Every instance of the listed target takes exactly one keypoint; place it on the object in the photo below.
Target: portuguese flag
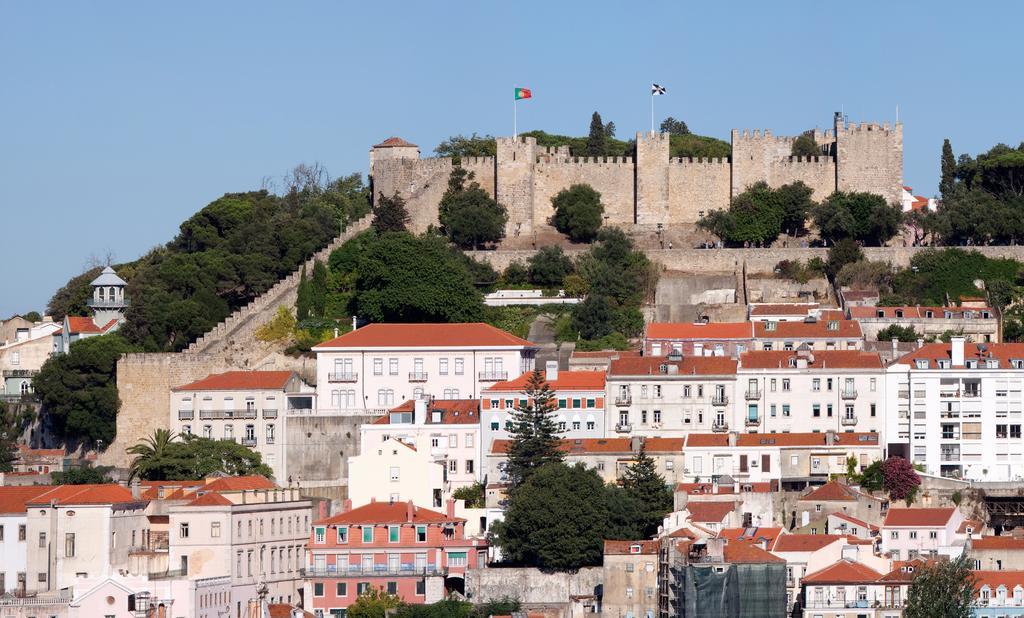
(523, 93)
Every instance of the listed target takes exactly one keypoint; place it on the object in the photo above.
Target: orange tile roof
(847, 329)
(710, 511)
(843, 572)
(994, 579)
(1004, 352)
(566, 381)
(726, 488)
(40, 452)
(997, 542)
(79, 326)
(620, 548)
(239, 483)
(747, 553)
(211, 498)
(707, 439)
(751, 535)
(387, 513)
(783, 308)
(682, 533)
(804, 542)
(919, 517)
(395, 142)
(911, 311)
(818, 359)
(469, 335)
(904, 571)
(975, 525)
(747, 440)
(700, 330)
(14, 499)
(240, 380)
(604, 353)
(689, 365)
(453, 411)
(830, 492)
(604, 445)
(854, 520)
(84, 494)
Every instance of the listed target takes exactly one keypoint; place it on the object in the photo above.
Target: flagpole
(652, 112)
(515, 114)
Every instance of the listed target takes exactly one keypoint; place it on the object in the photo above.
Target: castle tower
(652, 186)
(108, 301)
(393, 148)
(869, 158)
(516, 164)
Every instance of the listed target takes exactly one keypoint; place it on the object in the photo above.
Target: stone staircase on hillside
(235, 335)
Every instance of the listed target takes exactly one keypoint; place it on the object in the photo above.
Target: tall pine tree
(641, 480)
(390, 214)
(598, 139)
(318, 290)
(946, 183)
(303, 302)
(535, 440)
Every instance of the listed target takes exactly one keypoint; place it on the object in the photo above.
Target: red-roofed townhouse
(698, 338)
(400, 548)
(811, 390)
(832, 332)
(108, 303)
(809, 553)
(844, 589)
(977, 324)
(631, 570)
(998, 593)
(965, 401)
(670, 396)
(579, 410)
(41, 460)
(24, 347)
(251, 407)
(782, 312)
(996, 553)
(841, 523)
(14, 536)
(379, 366)
(859, 512)
(908, 533)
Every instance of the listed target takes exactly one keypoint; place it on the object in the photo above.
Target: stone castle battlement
(651, 187)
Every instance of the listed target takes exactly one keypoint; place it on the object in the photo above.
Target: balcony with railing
(186, 415)
(269, 412)
(623, 427)
(235, 413)
(849, 393)
(376, 570)
(720, 426)
(108, 304)
(753, 395)
(417, 376)
(752, 422)
(157, 542)
(248, 441)
(623, 399)
(849, 421)
(492, 376)
(343, 376)
(19, 373)
(720, 399)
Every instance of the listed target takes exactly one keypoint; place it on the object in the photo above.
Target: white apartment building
(959, 409)
(670, 396)
(380, 366)
(829, 332)
(250, 407)
(24, 347)
(909, 533)
(810, 390)
(447, 430)
(14, 536)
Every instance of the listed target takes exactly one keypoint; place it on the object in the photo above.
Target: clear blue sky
(118, 120)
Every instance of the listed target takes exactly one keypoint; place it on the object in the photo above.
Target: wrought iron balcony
(186, 415)
(19, 373)
(849, 420)
(624, 400)
(752, 422)
(720, 400)
(108, 304)
(269, 412)
(753, 395)
(248, 441)
(719, 426)
(623, 427)
(492, 376)
(381, 570)
(849, 393)
(417, 376)
(344, 376)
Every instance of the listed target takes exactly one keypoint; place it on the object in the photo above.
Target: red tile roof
(783, 309)
(620, 548)
(566, 381)
(604, 445)
(453, 411)
(843, 572)
(997, 542)
(698, 489)
(604, 353)
(239, 483)
(994, 579)
(904, 571)
(387, 513)
(682, 533)
(40, 452)
(747, 553)
(211, 498)
(80, 326)
(860, 313)
(832, 491)
(707, 439)
(804, 542)
(84, 494)
(817, 359)
(854, 520)
(710, 511)
(748, 440)
(14, 499)
(690, 365)
(751, 535)
(469, 335)
(975, 525)
(700, 331)
(283, 610)
(818, 329)
(395, 142)
(1004, 352)
(919, 517)
(239, 381)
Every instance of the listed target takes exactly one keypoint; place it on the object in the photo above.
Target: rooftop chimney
(636, 443)
(956, 350)
(346, 506)
(895, 347)
(920, 343)
(419, 407)
(136, 489)
(551, 371)
(409, 510)
(830, 437)
(451, 509)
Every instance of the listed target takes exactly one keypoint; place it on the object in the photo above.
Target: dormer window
(792, 362)
(1017, 363)
(880, 313)
(833, 325)
(929, 314)
(899, 313)
(921, 363)
(634, 549)
(971, 363)
(770, 325)
(944, 363)
(992, 363)
(968, 315)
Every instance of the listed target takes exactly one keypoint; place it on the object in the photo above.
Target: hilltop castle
(651, 188)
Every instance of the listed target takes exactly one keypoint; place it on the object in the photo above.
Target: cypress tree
(642, 481)
(302, 303)
(318, 290)
(535, 440)
(598, 139)
(948, 171)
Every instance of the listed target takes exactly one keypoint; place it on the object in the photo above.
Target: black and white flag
(656, 90)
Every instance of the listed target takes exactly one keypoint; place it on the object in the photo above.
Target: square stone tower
(652, 183)
(514, 184)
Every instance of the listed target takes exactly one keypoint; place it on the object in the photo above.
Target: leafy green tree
(794, 200)
(515, 273)
(405, 278)
(318, 290)
(73, 297)
(942, 589)
(280, 328)
(865, 274)
(598, 139)
(151, 456)
(83, 475)
(470, 217)
(617, 269)
(948, 180)
(865, 217)
(390, 214)
(673, 127)
(760, 214)
(8, 441)
(473, 146)
(163, 457)
(78, 389)
(549, 267)
(304, 297)
(934, 273)
(872, 479)
(556, 520)
(805, 146)
(641, 479)
(578, 212)
(592, 318)
(901, 333)
(698, 146)
(844, 252)
(534, 434)
(33, 316)
(472, 494)
(223, 456)
(1001, 293)
(373, 603)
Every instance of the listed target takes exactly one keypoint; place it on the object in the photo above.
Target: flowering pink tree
(899, 478)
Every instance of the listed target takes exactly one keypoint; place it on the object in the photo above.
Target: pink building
(397, 547)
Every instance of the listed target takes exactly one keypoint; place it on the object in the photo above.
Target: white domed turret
(108, 301)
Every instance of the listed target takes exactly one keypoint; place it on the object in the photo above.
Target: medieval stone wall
(612, 177)
(696, 187)
(870, 158)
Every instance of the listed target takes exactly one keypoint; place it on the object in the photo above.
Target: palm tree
(149, 451)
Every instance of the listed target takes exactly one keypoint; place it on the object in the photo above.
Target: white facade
(13, 552)
(911, 533)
